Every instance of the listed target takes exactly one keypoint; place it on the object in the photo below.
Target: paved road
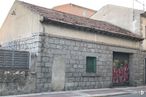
(134, 92)
(130, 95)
(108, 92)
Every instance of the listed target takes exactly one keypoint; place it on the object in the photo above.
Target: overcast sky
(5, 5)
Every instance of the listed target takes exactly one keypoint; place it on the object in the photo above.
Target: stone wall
(46, 48)
(13, 70)
(30, 44)
(12, 80)
(75, 51)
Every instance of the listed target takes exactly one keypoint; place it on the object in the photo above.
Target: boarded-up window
(91, 64)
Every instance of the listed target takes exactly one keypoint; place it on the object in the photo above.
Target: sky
(5, 5)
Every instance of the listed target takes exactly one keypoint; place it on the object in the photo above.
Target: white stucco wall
(120, 16)
(91, 36)
(19, 25)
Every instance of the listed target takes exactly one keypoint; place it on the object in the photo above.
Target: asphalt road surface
(105, 92)
(131, 95)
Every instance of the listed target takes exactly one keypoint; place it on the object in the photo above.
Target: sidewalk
(88, 93)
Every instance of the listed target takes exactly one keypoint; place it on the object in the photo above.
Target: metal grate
(14, 59)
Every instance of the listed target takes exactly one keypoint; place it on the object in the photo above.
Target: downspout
(42, 20)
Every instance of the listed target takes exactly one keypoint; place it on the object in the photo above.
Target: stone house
(75, 10)
(69, 52)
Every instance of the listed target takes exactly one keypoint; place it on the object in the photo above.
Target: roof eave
(45, 19)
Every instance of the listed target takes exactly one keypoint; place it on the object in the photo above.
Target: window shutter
(91, 64)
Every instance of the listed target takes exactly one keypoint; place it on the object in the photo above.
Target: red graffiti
(120, 75)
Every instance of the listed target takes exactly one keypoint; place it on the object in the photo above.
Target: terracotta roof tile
(81, 21)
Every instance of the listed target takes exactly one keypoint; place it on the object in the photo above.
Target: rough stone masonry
(46, 48)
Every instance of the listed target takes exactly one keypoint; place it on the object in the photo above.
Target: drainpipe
(42, 19)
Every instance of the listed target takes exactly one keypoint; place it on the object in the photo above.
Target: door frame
(122, 84)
